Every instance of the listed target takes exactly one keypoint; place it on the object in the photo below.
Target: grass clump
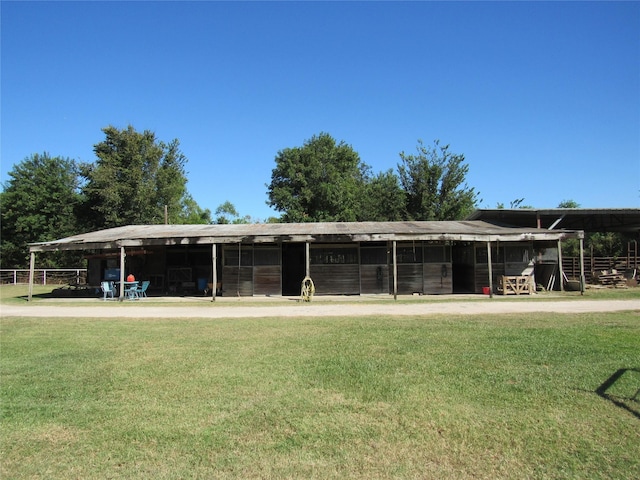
(375, 397)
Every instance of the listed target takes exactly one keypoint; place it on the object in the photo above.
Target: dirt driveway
(240, 308)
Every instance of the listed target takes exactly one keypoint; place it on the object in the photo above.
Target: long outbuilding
(350, 258)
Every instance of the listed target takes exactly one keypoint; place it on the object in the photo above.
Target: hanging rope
(307, 290)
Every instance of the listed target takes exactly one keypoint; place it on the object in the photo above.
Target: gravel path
(314, 309)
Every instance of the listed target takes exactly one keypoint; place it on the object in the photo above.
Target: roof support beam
(122, 256)
(555, 224)
(489, 264)
(582, 280)
(32, 267)
(560, 269)
(214, 271)
(395, 270)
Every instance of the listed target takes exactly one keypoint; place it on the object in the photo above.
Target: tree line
(137, 179)
(326, 181)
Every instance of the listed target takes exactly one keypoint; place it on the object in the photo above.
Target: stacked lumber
(612, 279)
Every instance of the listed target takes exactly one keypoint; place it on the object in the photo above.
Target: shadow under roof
(586, 219)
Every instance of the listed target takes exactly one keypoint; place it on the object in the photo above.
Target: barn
(342, 258)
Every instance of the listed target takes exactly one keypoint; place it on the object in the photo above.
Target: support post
(560, 269)
(214, 274)
(307, 259)
(395, 271)
(239, 268)
(122, 256)
(489, 264)
(32, 266)
(582, 280)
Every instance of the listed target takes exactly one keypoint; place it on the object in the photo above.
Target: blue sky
(543, 98)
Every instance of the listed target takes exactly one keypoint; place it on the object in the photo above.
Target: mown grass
(376, 397)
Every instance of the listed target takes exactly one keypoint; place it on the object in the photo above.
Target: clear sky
(542, 98)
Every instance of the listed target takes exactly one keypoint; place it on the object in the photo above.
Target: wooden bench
(516, 285)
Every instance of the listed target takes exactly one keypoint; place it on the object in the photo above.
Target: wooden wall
(336, 279)
(237, 281)
(438, 278)
(266, 280)
(410, 278)
(374, 279)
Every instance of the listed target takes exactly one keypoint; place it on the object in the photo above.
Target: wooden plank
(266, 280)
(340, 279)
(237, 281)
(516, 284)
(410, 278)
(374, 278)
(438, 278)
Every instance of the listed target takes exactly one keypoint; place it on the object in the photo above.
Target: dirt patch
(325, 308)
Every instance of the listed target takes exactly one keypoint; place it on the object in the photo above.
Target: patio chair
(133, 292)
(142, 291)
(107, 290)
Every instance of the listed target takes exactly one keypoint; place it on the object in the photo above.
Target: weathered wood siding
(410, 278)
(336, 279)
(267, 270)
(374, 279)
(237, 281)
(266, 280)
(438, 278)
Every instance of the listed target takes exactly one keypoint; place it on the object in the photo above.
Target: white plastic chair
(107, 290)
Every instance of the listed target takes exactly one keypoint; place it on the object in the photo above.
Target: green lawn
(379, 397)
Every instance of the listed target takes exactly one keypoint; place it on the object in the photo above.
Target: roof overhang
(588, 220)
(330, 232)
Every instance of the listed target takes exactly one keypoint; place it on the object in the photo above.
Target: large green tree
(383, 199)
(192, 213)
(322, 181)
(38, 204)
(227, 213)
(134, 177)
(434, 182)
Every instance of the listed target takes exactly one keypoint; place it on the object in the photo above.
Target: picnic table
(130, 289)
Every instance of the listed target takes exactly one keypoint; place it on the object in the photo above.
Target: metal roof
(587, 219)
(148, 235)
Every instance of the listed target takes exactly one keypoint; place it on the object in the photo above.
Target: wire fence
(44, 276)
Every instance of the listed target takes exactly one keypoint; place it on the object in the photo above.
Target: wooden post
(489, 264)
(122, 255)
(307, 259)
(582, 280)
(214, 272)
(32, 267)
(239, 267)
(560, 269)
(395, 271)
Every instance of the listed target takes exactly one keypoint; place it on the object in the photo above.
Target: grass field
(377, 397)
